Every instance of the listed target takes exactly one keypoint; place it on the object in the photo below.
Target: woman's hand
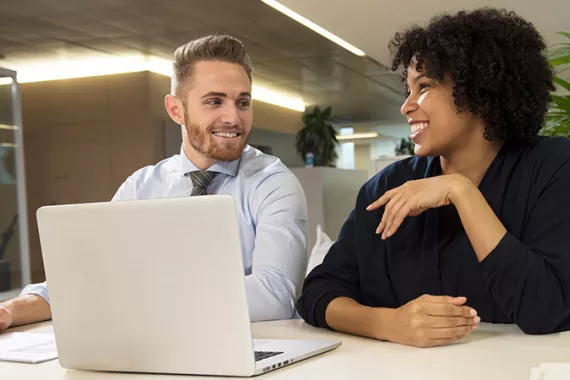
(430, 321)
(411, 199)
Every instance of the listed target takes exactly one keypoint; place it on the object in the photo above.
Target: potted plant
(558, 118)
(404, 148)
(317, 137)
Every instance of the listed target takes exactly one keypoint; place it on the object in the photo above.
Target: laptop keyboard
(260, 355)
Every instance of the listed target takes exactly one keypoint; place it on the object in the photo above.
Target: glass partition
(14, 253)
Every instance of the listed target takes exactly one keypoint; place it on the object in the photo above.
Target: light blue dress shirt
(272, 214)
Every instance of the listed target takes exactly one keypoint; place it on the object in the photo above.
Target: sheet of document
(551, 371)
(27, 347)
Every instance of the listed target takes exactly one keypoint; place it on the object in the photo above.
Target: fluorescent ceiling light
(277, 98)
(8, 145)
(97, 66)
(311, 25)
(9, 127)
(356, 136)
(79, 68)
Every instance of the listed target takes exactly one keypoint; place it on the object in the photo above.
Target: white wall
(362, 156)
(331, 196)
(340, 190)
(386, 148)
(345, 159)
(382, 148)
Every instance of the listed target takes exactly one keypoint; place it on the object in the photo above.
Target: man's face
(217, 110)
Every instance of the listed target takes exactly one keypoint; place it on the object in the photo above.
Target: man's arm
(280, 255)
(31, 306)
(27, 308)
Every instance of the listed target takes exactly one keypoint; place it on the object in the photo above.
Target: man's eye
(214, 102)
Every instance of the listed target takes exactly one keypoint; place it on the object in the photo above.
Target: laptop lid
(148, 286)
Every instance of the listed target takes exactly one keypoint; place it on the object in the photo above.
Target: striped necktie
(201, 179)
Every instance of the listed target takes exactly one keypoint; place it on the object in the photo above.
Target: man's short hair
(221, 48)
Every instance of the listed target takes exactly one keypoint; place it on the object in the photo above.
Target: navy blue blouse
(524, 280)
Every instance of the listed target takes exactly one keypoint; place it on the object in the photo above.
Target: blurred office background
(87, 108)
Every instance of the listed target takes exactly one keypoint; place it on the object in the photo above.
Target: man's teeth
(225, 134)
(418, 127)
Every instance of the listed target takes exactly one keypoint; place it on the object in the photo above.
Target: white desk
(492, 352)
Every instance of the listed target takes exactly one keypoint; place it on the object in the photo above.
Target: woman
(476, 226)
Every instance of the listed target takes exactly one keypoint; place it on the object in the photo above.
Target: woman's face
(437, 129)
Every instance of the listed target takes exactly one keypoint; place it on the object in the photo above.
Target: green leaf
(561, 99)
(562, 83)
(560, 55)
(562, 60)
(565, 34)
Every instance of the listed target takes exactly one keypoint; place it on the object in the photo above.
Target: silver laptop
(155, 286)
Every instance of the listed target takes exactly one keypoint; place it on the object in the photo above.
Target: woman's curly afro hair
(497, 62)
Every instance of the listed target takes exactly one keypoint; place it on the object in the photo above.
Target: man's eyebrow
(224, 95)
(214, 93)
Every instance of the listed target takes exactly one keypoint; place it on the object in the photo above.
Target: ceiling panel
(374, 23)
(286, 55)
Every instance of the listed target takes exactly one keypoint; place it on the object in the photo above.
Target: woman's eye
(423, 87)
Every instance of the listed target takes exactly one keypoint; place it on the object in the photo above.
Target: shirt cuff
(501, 256)
(37, 289)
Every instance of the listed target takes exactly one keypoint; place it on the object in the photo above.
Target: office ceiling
(287, 56)
(373, 23)
(370, 24)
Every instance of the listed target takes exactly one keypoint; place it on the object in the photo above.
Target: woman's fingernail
(472, 312)
(475, 327)
(476, 320)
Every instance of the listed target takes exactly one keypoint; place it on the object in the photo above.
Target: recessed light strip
(91, 67)
(356, 136)
(311, 25)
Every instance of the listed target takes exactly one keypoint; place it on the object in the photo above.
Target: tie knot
(201, 179)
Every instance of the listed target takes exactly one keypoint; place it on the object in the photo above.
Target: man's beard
(209, 146)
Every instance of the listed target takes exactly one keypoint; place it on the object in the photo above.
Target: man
(211, 100)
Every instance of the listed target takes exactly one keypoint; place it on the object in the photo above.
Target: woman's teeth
(418, 127)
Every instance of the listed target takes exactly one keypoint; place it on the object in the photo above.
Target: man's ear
(175, 109)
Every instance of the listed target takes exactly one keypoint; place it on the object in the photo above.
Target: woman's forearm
(482, 226)
(346, 315)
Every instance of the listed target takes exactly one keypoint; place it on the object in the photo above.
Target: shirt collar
(229, 168)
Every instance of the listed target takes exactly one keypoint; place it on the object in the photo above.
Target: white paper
(27, 347)
(551, 371)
